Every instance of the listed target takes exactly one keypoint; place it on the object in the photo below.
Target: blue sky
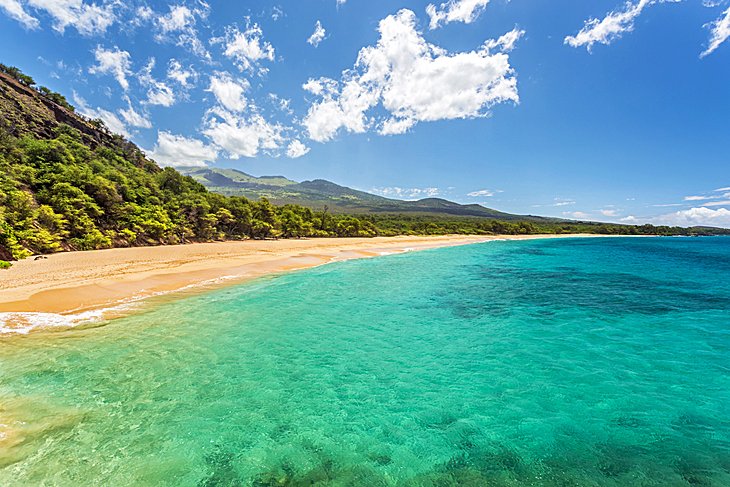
(597, 110)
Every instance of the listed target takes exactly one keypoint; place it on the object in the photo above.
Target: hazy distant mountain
(340, 199)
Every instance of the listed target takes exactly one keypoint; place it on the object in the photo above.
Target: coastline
(69, 288)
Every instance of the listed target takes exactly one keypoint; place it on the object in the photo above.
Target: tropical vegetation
(62, 192)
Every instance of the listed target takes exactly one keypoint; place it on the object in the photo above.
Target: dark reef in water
(615, 464)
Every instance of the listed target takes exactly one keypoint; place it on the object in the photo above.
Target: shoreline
(67, 289)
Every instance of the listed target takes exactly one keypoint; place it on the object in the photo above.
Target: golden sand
(75, 282)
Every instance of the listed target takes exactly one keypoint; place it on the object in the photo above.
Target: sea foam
(22, 323)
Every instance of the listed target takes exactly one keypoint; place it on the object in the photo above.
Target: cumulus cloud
(183, 76)
(133, 118)
(242, 135)
(701, 216)
(296, 149)
(180, 151)
(609, 212)
(235, 124)
(110, 119)
(114, 62)
(719, 32)
(318, 34)
(406, 193)
(247, 49)
(465, 11)
(611, 27)
(86, 18)
(143, 14)
(179, 26)
(229, 92)
(413, 80)
(14, 9)
(158, 92)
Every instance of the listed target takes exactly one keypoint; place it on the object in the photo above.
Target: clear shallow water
(574, 362)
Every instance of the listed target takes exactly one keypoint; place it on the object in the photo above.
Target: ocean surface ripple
(575, 362)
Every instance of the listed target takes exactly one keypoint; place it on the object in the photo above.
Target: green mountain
(339, 199)
(68, 183)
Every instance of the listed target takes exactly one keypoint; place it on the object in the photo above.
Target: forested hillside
(340, 199)
(67, 183)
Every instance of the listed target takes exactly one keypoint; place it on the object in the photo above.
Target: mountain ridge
(68, 183)
(338, 198)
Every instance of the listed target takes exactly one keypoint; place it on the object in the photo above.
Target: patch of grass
(5, 265)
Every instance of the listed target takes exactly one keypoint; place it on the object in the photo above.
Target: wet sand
(79, 282)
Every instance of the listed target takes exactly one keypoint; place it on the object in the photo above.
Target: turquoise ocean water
(578, 362)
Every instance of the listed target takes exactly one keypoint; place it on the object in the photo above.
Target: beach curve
(67, 289)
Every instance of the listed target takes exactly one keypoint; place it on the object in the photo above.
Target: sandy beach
(77, 283)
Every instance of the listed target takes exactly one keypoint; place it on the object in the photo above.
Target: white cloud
(719, 32)
(394, 126)
(283, 104)
(296, 149)
(719, 194)
(579, 215)
(465, 11)
(144, 13)
(179, 19)
(87, 18)
(506, 42)
(134, 118)
(228, 92)
(235, 124)
(276, 13)
(609, 212)
(114, 62)
(413, 80)
(16, 12)
(718, 203)
(176, 150)
(318, 34)
(246, 48)
(696, 216)
(158, 92)
(242, 135)
(612, 26)
(563, 202)
(406, 193)
(179, 26)
(183, 76)
(110, 119)
(481, 192)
